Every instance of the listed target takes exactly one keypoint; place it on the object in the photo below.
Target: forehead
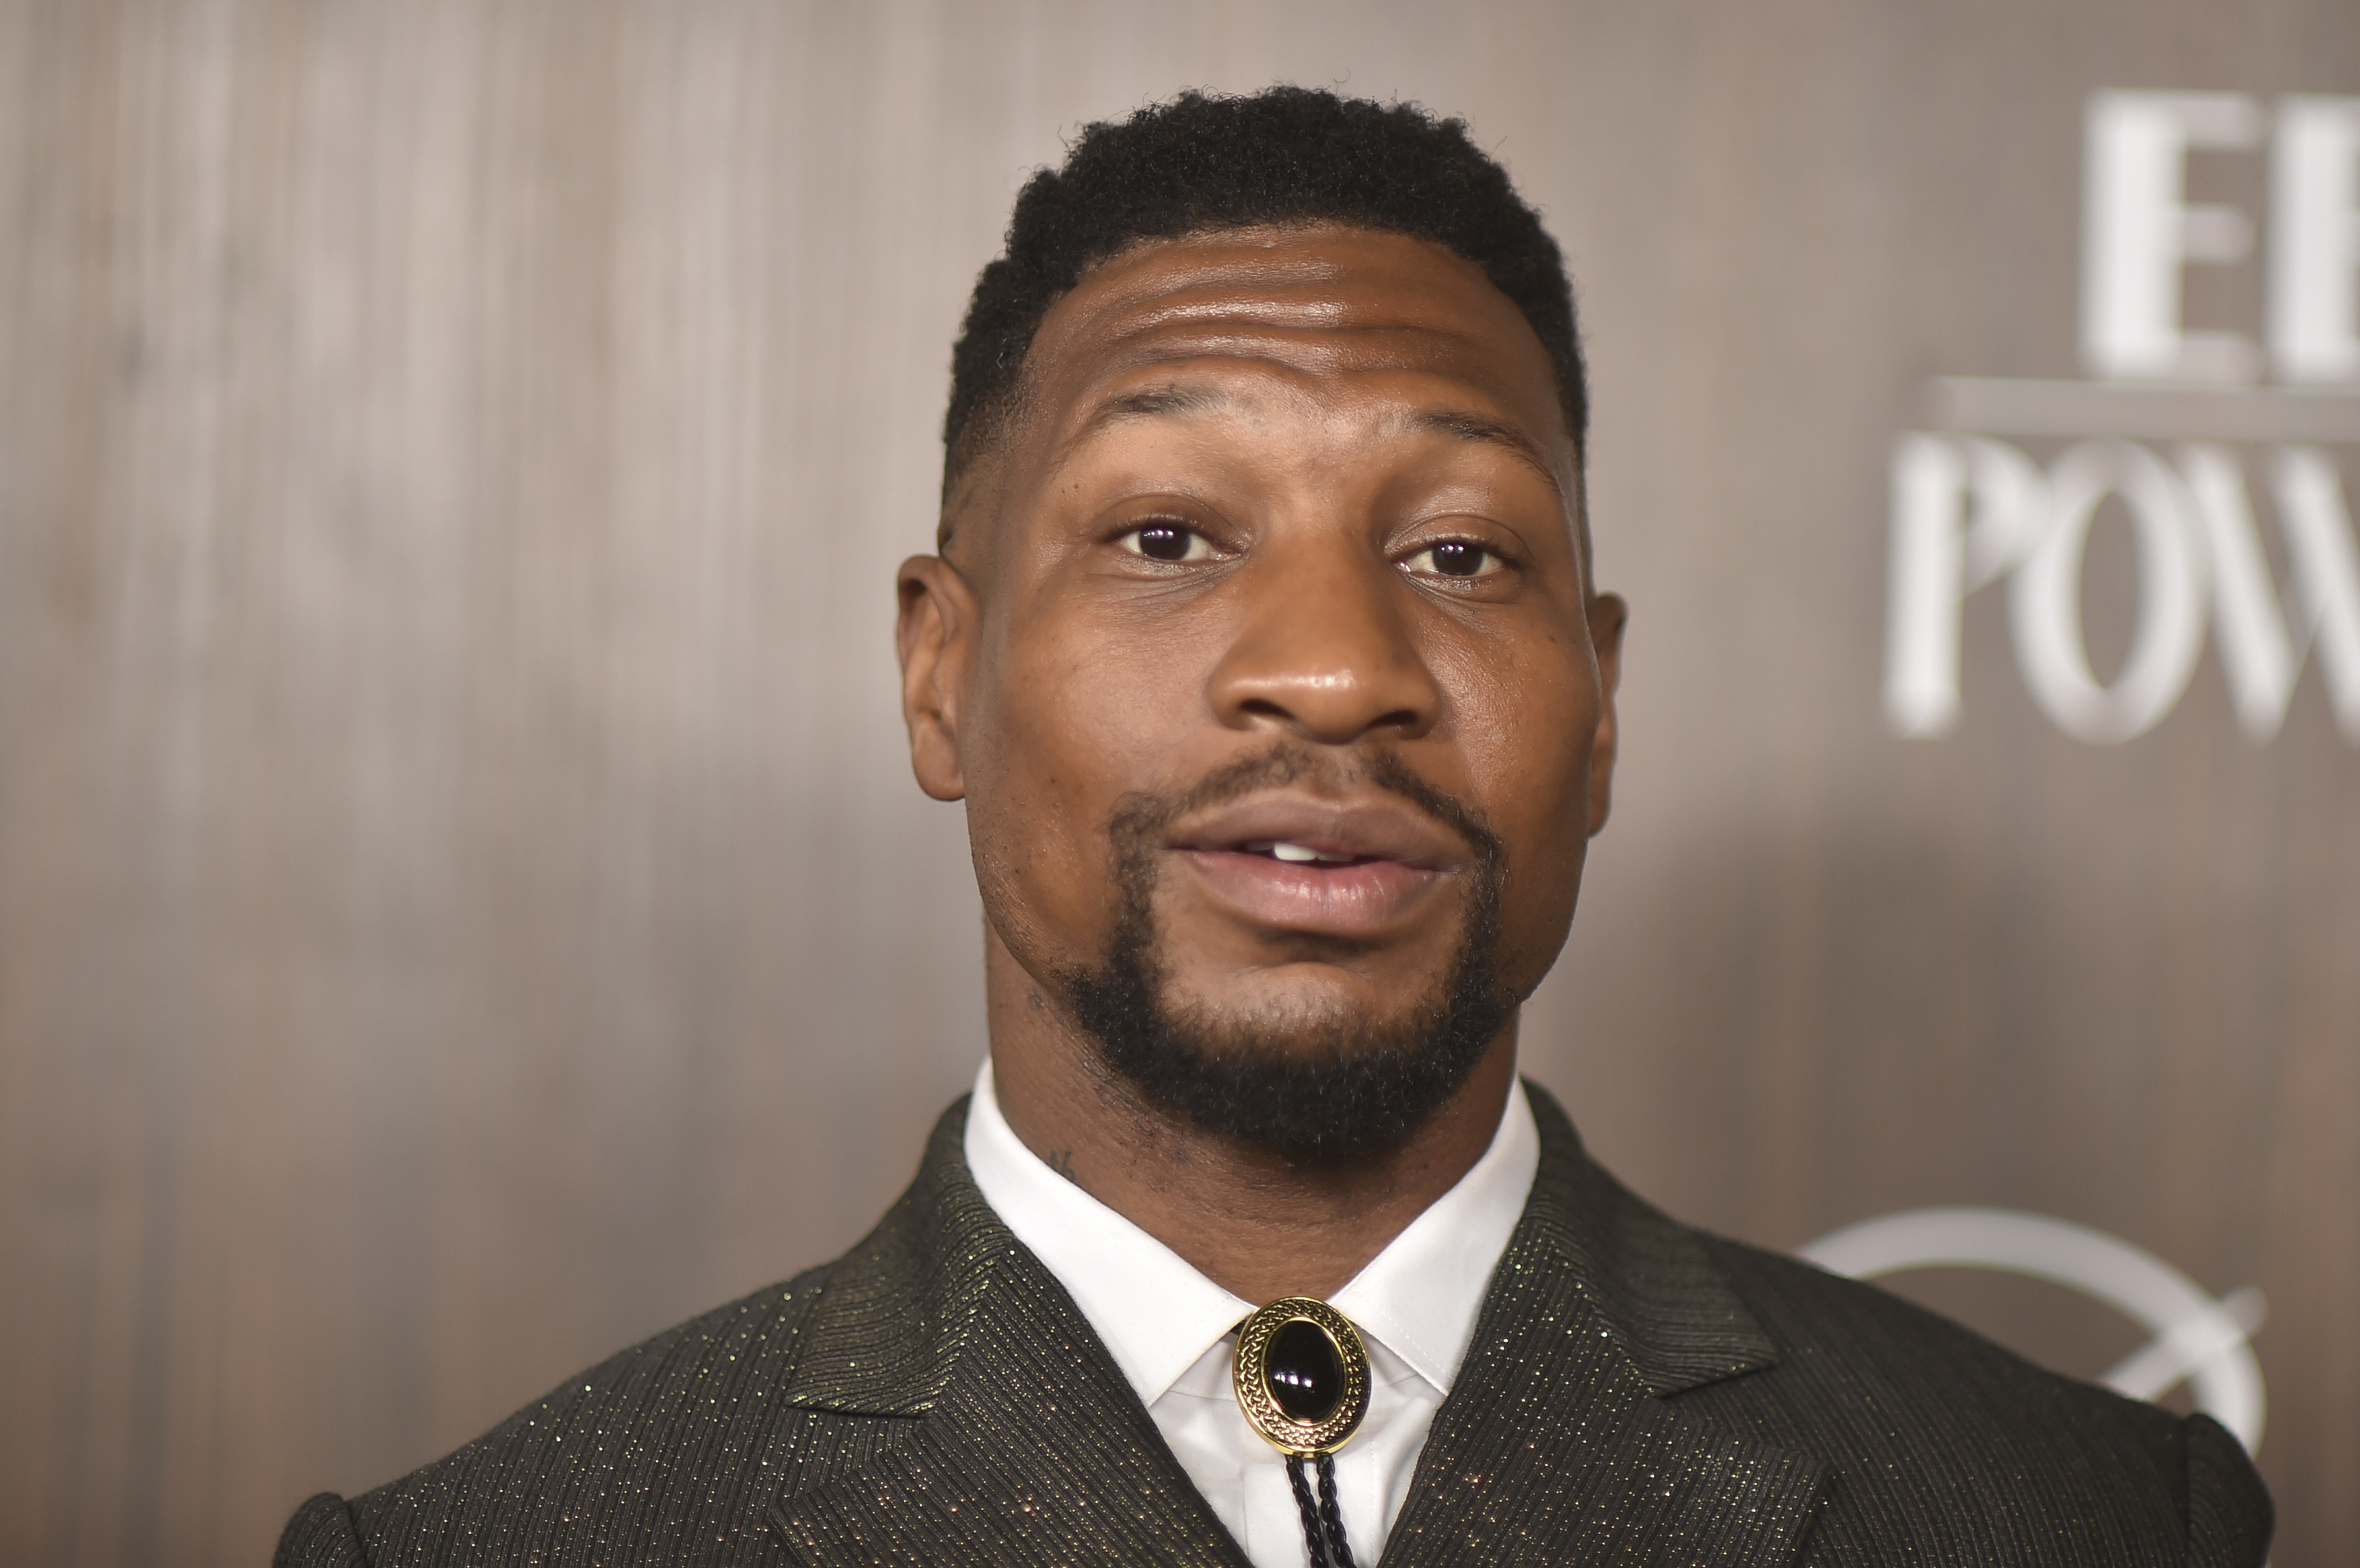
(1327, 312)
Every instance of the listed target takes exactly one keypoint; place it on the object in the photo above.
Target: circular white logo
(2196, 1337)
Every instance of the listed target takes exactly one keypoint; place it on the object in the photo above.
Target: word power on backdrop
(2177, 424)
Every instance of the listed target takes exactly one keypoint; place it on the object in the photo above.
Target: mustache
(1140, 819)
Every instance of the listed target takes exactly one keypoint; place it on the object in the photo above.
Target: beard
(1315, 1084)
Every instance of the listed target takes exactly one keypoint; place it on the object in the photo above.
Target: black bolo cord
(1340, 1554)
(1313, 1538)
(1323, 1524)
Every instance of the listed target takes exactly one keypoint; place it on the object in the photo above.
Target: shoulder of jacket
(1861, 1334)
(599, 1449)
(321, 1535)
(2230, 1516)
(1944, 1441)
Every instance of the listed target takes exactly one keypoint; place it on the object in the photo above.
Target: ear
(935, 636)
(1608, 614)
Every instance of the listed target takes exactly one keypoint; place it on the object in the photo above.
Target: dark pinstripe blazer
(1638, 1392)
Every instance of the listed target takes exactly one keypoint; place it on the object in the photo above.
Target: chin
(1315, 1072)
(1306, 1015)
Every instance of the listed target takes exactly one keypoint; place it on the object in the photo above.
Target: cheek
(1528, 742)
(1069, 726)
(1547, 846)
(1526, 711)
(1546, 829)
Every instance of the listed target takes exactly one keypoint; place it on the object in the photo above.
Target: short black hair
(1285, 156)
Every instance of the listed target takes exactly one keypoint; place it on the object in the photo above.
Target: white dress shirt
(1172, 1331)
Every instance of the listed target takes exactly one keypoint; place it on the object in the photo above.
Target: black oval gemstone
(1304, 1373)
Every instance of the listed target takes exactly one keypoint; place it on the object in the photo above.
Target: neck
(1259, 1223)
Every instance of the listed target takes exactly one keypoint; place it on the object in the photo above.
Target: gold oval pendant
(1301, 1375)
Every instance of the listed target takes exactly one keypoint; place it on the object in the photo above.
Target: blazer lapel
(1027, 1446)
(1561, 1440)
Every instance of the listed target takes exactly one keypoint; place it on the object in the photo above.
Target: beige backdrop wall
(462, 905)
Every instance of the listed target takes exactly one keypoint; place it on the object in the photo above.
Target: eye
(1168, 541)
(1462, 559)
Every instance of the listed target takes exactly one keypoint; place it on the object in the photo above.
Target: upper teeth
(1300, 852)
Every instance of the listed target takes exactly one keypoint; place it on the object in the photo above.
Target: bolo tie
(1302, 1379)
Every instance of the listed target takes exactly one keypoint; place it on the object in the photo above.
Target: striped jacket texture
(1637, 1392)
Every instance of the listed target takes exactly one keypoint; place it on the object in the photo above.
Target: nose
(1326, 648)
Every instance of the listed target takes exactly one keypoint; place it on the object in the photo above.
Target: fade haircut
(1203, 163)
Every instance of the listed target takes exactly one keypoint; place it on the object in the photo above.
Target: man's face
(1266, 661)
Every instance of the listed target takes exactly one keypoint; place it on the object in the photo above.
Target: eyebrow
(1472, 427)
(1152, 402)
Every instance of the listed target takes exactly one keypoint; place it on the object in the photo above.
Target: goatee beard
(1318, 1088)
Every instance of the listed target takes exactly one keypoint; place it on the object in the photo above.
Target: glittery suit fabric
(1637, 1392)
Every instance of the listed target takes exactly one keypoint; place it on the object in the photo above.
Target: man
(1261, 648)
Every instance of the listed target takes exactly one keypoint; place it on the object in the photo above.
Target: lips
(1348, 869)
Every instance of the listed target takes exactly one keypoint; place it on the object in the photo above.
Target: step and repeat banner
(462, 903)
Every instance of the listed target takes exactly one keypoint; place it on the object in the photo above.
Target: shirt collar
(1158, 1315)
(1421, 1294)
